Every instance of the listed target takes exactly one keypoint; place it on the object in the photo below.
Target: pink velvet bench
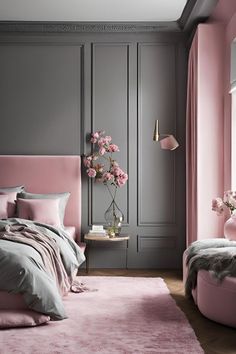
(216, 301)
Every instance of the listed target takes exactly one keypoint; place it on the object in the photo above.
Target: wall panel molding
(171, 220)
(29, 70)
(154, 243)
(92, 218)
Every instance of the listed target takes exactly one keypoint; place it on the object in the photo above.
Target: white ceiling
(91, 10)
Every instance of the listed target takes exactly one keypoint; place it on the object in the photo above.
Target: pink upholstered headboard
(46, 174)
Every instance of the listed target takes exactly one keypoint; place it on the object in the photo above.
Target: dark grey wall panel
(59, 88)
(40, 94)
(110, 102)
(157, 100)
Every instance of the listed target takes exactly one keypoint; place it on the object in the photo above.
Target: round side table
(89, 239)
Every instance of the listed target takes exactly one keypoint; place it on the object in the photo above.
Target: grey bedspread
(215, 255)
(23, 269)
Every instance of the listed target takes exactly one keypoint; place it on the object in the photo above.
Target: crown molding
(83, 27)
(195, 11)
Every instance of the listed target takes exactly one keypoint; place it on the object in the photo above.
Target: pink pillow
(11, 203)
(3, 206)
(25, 318)
(45, 211)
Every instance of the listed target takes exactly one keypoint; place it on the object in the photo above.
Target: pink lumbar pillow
(24, 318)
(3, 206)
(45, 211)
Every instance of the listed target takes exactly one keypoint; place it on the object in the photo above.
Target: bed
(43, 175)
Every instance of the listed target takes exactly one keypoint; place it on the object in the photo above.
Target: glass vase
(114, 218)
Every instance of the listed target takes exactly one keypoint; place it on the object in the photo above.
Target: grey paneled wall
(157, 88)
(58, 88)
(110, 102)
(40, 90)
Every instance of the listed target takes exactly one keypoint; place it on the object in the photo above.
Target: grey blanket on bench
(217, 255)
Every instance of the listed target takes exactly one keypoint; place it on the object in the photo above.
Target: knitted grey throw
(217, 255)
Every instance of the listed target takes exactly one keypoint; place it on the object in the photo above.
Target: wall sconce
(167, 141)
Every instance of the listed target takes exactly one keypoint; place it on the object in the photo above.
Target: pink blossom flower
(122, 179)
(113, 148)
(91, 172)
(94, 137)
(104, 142)
(107, 176)
(110, 172)
(107, 139)
(117, 171)
(230, 198)
(102, 151)
(232, 201)
(87, 161)
(218, 205)
(101, 142)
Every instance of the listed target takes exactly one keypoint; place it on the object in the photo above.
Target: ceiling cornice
(195, 11)
(83, 27)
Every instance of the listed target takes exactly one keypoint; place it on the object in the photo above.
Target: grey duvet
(39, 262)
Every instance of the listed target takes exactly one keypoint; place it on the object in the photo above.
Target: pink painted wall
(214, 114)
(209, 127)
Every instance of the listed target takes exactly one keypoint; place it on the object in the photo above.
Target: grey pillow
(63, 199)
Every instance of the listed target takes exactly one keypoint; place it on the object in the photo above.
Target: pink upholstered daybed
(43, 174)
(215, 300)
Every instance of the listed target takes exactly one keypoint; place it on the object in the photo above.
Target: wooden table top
(105, 238)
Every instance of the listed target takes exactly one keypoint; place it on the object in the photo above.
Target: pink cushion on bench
(216, 300)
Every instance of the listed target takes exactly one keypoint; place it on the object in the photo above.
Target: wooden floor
(214, 338)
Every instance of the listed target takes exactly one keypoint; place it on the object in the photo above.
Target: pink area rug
(126, 315)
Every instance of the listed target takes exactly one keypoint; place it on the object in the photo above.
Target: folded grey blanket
(217, 255)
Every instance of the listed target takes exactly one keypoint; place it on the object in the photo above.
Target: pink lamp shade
(168, 142)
